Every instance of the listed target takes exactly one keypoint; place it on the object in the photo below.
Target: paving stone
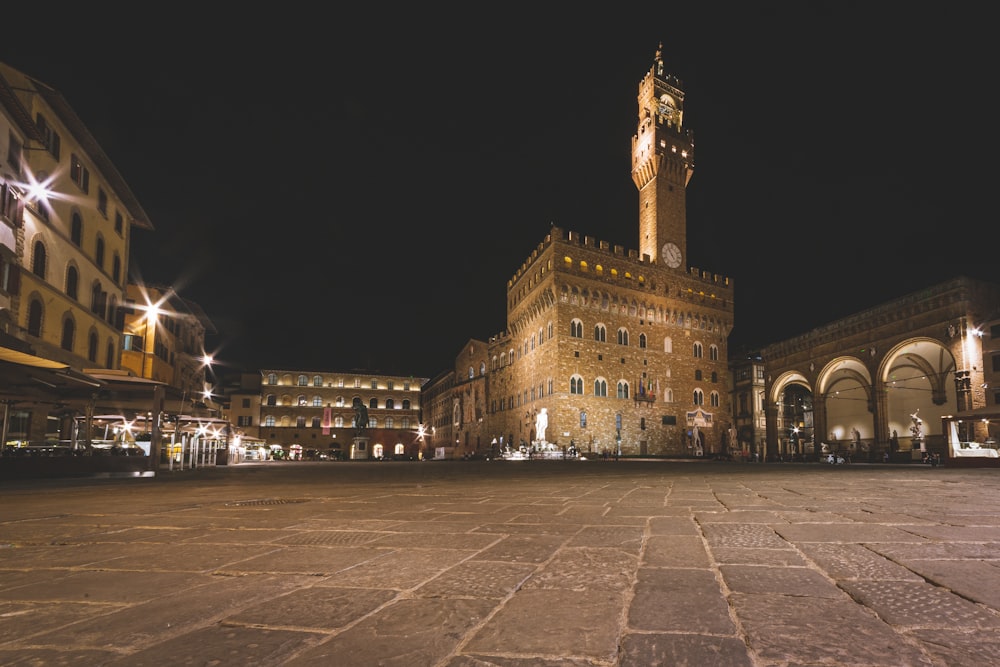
(755, 556)
(401, 569)
(577, 624)
(319, 609)
(679, 525)
(921, 605)
(818, 631)
(644, 650)
(675, 551)
(523, 549)
(222, 646)
(742, 535)
(854, 561)
(976, 580)
(766, 579)
(581, 568)
(845, 532)
(957, 648)
(679, 600)
(478, 579)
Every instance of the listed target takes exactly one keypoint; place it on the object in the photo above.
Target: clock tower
(662, 165)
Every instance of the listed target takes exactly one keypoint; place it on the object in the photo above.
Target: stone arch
(845, 403)
(916, 374)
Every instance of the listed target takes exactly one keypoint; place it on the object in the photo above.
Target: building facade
(69, 216)
(357, 415)
(622, 350)
(747, 373)
(886, 381)
(164, 340)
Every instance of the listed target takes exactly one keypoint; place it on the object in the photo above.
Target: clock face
(672, 255)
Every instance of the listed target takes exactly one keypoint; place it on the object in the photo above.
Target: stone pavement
(515, 564)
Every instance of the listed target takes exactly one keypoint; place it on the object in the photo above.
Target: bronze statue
(360, 418)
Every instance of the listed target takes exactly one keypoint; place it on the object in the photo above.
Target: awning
(25, 359)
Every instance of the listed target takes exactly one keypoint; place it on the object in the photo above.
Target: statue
(916, 428)
(541, 423)
(360, 418)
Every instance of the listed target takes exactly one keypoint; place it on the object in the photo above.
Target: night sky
(353, 190)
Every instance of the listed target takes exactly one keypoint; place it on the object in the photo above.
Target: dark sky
(352, 189)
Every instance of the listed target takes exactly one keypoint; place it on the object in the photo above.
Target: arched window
(668, 344)
(317, 380)
(482, 368)
(92, 347)
(35, 318)
(300, 422)
(472, 372)
(302, 381)
(576, 385)
(389, 404)
(699, 397)
(622, 389)
(68, 333)
(271, 400)
(373, 403)
(713, 352)
(388, 422)
(699, 352)
(116, 268)
(39, 260)
(642, 340)
(97, 299)
(600, 387)
(300, 400)
(317, 401)
(269, 420)
(109, 355)
(406, 404)
(713, 399)
(576, 329)
(600, 333)
(72, 283)
(623, 336)
(76, 230)
(316, 422)
(99, 252)
(272, 378)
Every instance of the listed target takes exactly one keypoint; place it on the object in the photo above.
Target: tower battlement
(625, 263)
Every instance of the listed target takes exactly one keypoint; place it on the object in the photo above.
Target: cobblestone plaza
(541, 563)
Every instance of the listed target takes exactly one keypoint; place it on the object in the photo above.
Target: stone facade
(613, 347)
(316, 410)
(626, 350)
(862, 381)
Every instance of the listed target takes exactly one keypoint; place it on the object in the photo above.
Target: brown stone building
(889, 379)
(625, 350)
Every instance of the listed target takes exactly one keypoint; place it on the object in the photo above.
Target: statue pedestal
(359, 448)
